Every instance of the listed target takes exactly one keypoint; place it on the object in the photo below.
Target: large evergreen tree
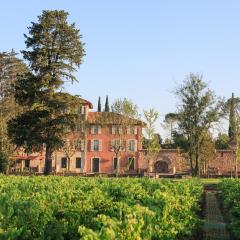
(54, 52)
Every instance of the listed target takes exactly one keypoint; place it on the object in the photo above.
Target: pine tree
(232, 119)
(99, 104)
(107, 108)
(54, 52)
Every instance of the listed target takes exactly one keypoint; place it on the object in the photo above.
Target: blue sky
(142, 49)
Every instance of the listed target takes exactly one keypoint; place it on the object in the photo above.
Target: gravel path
(214, 227)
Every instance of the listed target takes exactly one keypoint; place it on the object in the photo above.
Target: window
(116, 130)
(115, 163)
(95, 165)
(27, 163)
(117, 143)
(95, 145)
(78, 162)
(131, 163)
(79, 144)
(95, 129)
(132, 145)
(82, 110)
(64, 162)
(65, 111)
(135, 130)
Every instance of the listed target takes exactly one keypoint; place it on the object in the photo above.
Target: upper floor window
(135, 131)
(65, 110)
(116, 145)
(132, 130)
(79, 144)
(83, 110)
(96, 129)
(116, 130)
(132, 145)
(96, 145)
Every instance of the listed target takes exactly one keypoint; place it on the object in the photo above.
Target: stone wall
(223, 162)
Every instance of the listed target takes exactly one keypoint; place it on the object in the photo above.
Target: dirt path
(215, 226)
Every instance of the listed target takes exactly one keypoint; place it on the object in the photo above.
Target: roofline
(137, 122)
(87, 102)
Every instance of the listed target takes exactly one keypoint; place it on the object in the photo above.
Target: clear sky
(142, 49)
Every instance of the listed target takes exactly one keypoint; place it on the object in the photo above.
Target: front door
(131, 163)
(95, 165)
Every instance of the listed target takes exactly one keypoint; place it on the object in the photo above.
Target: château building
(102, 143)
(109, 143)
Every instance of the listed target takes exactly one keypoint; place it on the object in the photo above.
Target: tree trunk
(191, 163)
(236, 164)
(48, 160)
(118, 165)
(68, 163)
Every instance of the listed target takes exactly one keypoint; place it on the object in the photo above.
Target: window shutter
(78, 109)
(92, 129)
(82, 145)
(135, 130)
(82, 110)
(120, 130)
(91, 145)
(135, 145)
(82, 128)
(110, 146)
(128, 130)
(99, 129)
(121, 145)
(127, 146)
(124, 145)
(100, 145)
(113, 129)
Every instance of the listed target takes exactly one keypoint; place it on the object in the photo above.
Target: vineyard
(97, 208)
(231, 196)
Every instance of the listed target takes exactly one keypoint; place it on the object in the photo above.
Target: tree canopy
(54, 52)
(198, 110)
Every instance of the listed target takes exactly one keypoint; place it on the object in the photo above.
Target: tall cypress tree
(99, 104)
(107, 108)
(232, 119)
(54, 52)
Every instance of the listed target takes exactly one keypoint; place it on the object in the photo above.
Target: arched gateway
(162, 166)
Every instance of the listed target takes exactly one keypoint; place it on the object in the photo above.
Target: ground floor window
(64, 162)
(27, 163)
(131, 163)
(78, 162)
(95, 165)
